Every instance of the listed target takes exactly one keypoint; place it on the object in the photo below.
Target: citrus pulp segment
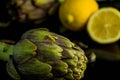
(104, 25)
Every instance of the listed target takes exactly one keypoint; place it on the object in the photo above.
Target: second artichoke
(31, 10)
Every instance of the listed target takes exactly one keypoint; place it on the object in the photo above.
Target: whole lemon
(74, 14)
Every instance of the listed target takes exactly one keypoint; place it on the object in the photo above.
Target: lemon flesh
(104, 25)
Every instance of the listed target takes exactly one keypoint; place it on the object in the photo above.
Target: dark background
(98, 70)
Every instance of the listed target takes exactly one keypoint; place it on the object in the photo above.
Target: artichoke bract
(44, 55)
(31, 10)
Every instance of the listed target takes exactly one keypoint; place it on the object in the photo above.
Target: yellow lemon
(104, 25)
(74, 14)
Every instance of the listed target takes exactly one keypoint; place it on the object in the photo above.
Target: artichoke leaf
(69, 75)
(63, 41)
(72, 62)
(39, 36)
(35, 67)
(11, 70)
(49, 51)
(68, 53)
(23, 51)
(60, 67)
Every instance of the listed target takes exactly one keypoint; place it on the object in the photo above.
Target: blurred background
(104, 66)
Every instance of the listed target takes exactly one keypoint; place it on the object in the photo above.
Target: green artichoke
(31, 10)
(44, 55)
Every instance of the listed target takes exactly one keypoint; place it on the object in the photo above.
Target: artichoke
(31, 10)
(44, 55)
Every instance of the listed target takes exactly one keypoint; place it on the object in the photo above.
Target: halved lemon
(104, 25)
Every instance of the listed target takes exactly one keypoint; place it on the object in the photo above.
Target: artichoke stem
(6, 50)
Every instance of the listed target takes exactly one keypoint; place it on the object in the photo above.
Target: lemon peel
(74, 14)
(70, 19)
